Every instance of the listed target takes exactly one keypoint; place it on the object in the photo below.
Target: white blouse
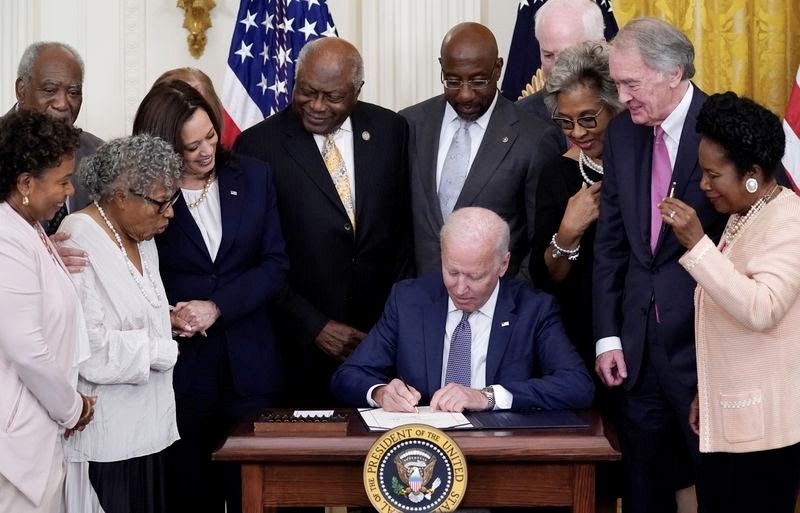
(132, 351)
(207, 215)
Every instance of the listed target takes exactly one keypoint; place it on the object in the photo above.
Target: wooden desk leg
(253, 488)
(583, 500)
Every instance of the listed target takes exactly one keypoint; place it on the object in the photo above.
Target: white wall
(126, 44)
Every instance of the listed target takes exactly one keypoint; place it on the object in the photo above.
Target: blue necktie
(459, 361)
(455, 168)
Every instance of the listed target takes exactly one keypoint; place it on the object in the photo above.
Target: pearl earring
(25, 201)
(751, 185)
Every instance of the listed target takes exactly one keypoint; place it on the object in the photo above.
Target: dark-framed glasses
(584, 121)
(162, 205)
(476, 83)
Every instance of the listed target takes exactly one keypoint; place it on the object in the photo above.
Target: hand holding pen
(681, 218)
(397, 396)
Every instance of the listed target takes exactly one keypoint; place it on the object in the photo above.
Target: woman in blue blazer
(222, 260)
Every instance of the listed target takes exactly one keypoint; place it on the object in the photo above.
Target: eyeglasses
(162, 205)
(584, 121)
(477, 83)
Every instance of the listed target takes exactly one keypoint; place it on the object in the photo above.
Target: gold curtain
(751, 47)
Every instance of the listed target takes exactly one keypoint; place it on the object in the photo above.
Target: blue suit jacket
(529, 354)
(627, 274)
(248, 271)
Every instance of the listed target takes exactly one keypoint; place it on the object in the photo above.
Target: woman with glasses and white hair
(133, 182)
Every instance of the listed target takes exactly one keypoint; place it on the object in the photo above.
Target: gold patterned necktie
(338, 171)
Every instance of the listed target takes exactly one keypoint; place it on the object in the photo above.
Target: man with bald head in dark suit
(342, 186)
(472, 147)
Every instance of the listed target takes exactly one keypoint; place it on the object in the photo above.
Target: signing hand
(199, 315)
(455, 397)
(610, 366)
(74, 259)
(396, 396)
(683, 220)
(338, 340)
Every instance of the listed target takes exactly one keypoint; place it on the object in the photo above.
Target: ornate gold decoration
(196, 20)
(536, 83)
(751, 47)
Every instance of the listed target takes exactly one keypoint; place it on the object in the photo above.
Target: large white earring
(751, 185)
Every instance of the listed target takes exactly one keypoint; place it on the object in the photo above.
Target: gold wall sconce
(196, 20)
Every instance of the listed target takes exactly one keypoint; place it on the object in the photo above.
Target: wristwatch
(488, 392)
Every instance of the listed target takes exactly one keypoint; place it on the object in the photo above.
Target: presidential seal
(415, 468)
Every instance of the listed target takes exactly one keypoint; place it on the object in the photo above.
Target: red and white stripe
(241, 112)
(791, 125)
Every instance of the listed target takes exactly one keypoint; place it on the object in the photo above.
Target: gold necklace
(203, 194)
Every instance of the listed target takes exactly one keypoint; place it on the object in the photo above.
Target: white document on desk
(377, 419)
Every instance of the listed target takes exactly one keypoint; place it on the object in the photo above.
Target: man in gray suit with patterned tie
(472, 147)
(50, 81)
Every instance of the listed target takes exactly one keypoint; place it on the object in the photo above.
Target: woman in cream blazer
(747, 317)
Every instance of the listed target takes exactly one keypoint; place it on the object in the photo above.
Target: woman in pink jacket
(747, 312)
(41, 324)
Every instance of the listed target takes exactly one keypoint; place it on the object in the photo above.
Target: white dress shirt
(207, 215)
(450, 123)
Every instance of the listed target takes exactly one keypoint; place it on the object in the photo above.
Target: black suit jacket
(503, 176)
(248, 271)
(629, 278)
(336, 273)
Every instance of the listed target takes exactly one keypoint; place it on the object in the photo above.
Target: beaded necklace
(131, 269)
(203, 194)
(583, 160)
(734, 228)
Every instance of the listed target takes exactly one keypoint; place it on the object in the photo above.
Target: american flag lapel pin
(505, 323)
(234, 193)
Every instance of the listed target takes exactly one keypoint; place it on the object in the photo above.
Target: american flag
(791, 126)
(267, 39)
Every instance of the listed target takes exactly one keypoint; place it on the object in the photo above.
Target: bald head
(466, 40)
(470, 69)
(328, 80)
(561, 24)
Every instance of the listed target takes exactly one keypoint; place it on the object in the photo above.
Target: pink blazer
(39, 329)
(747, 320)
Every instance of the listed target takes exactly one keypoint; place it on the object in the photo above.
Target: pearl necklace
(734, 228)
(583, 160)
(131, 269)
(203, 194)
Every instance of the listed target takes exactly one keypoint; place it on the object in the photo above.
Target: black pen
(407, 388)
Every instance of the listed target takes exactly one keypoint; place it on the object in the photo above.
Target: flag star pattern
(267, 39)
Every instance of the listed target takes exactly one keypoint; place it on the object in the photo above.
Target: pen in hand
(671, 193)
(416, 410)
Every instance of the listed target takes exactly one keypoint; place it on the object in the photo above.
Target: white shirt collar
(488, 307)
(673, 125)
(450, 114)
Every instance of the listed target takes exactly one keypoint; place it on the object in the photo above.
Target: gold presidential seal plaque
(415, 468)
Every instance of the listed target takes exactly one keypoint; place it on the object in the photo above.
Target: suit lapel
(427, 143)
(365, 147)
(301, 146)
(184, 221)
(503, 325)
(643, 143)
(231, 201)
(434, 319)
(498, 139)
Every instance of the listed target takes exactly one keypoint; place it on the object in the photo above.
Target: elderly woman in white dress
(133, 182)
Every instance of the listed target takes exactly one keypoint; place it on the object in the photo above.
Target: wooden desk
(523, 467)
